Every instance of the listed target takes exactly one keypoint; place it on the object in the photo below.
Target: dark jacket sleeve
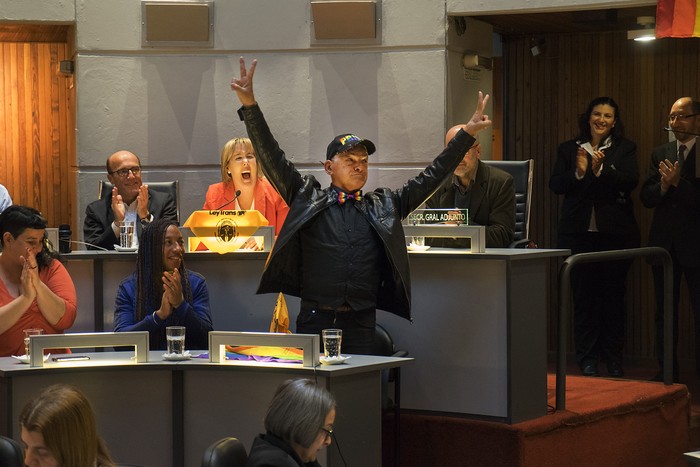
(97, 228)
(280, 172)
(500, 227)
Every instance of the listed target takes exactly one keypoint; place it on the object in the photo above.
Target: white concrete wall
(474, 7)
(60, 11)
(175, 110)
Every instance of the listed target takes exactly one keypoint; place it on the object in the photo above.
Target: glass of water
(27, 334)
(175, 338)
(332, 340)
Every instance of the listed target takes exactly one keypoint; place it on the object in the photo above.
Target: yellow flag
(280, 317)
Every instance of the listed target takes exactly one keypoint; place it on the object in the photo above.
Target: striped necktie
(681, 154)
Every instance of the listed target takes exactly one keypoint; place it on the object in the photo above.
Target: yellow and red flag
(280, 317)
(678, 18)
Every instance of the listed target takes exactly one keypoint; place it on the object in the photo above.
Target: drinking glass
(126, 233)
(332, 339)
(175, 338)
(27, 334)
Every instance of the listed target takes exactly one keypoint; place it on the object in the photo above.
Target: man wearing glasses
(487, 192)
(673, 190)
(130, 200)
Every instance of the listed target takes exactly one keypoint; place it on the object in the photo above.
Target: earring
(228, 172)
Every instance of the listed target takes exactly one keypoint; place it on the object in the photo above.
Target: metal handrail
(565, 304)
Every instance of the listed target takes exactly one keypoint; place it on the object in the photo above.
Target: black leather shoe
(589, 369)
(615, 370)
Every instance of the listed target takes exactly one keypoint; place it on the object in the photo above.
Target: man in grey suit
(673, 190)
(487, 192)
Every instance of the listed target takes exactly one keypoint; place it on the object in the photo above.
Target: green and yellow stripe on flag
(678, 18)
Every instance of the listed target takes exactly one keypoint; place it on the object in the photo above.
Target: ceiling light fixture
(647, 33)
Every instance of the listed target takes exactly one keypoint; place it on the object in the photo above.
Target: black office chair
(384, 346)
(521, 171)
(172, 188)
(227, 452)
(11, 454)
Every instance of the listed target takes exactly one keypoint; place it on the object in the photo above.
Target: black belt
(311, 305)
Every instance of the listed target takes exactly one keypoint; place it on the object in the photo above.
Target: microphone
(97, 247)
(681, 132)
(235, 197)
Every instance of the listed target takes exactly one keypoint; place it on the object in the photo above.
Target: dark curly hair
(617, 132)
(16, 219)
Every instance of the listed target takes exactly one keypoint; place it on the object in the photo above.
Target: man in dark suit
(673, 189)
(487, 192)
(130, 200)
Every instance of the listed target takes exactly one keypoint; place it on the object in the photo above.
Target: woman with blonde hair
(58, 430)
(240, 172)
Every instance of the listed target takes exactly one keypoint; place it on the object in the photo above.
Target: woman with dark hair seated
(58, 429)
(298, 423)
(36, 291)
(162, 292)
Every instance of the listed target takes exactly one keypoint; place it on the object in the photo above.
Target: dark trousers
(358, 327)
(692, 279)
(598, 291)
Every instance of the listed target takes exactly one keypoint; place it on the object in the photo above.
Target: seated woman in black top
(298, 423)
(162, 292)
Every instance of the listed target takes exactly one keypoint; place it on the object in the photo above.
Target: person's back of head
(64, 418)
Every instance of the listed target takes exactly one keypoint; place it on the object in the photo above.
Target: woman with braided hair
(162, 292)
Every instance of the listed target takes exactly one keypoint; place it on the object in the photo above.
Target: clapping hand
(172, 287)
(29, 275)
(597, 161)
(670, 174)
(581, 162)
(118, 206)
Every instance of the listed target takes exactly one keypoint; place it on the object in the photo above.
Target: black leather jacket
(383, 208)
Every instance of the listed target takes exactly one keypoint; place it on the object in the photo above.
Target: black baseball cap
(345, 142)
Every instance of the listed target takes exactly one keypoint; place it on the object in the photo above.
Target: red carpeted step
(607, 422)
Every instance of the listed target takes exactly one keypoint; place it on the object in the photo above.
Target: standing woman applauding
(596, 173)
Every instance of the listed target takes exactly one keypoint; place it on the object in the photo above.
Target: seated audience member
(240, 171)
(162, 292)
(487, 192)
(298, 423)
(5, 199)
(58, 429)
(130, 200)
(36, 291)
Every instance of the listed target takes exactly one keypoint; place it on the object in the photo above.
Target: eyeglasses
(327, 433)
(123, 173)
(672, 117)
(246, 158)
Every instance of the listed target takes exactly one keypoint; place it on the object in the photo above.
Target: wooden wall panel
(37, 145)
(546, 93)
